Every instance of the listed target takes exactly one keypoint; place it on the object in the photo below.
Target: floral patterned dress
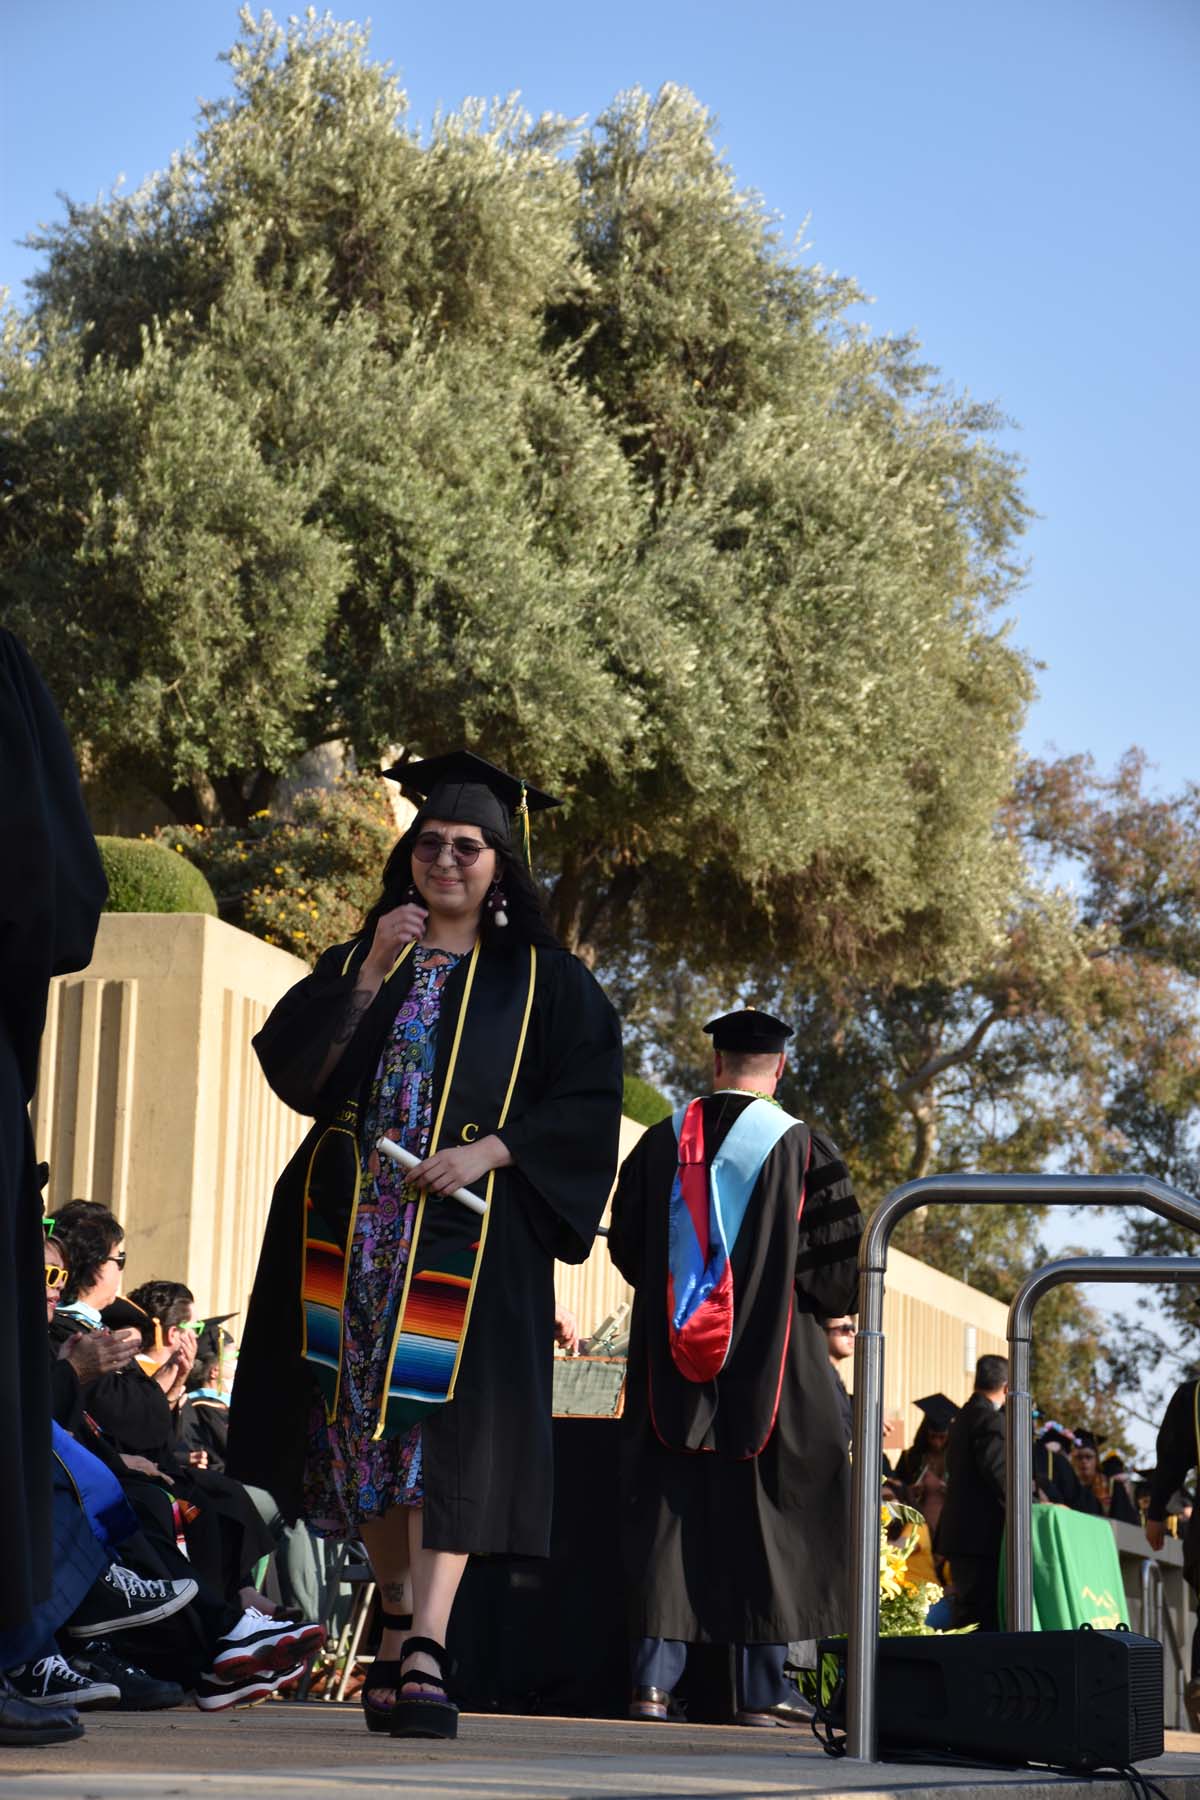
(349, 1475)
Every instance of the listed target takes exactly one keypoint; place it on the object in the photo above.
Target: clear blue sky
(1015, 182)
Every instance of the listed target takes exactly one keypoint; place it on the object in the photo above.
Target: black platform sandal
(424, 1715)
(384, 1676)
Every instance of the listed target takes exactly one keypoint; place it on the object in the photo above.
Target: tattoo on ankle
(393, 1594)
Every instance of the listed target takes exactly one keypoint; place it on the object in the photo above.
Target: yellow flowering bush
(301, 880)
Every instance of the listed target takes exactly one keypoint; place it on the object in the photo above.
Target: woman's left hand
(461, 1166)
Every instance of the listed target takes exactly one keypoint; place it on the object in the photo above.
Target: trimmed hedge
(643, 1102)
(143, 877)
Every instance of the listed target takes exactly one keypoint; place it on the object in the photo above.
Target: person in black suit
(972, 1521)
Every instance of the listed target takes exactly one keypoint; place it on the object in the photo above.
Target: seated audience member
(202, 1422)
(1097, 1494)
(839, 1341)
(121, 1600)
(921, 1469)
(202, 1428)
(239, 1649)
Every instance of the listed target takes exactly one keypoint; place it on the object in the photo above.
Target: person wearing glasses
(737, 1227)
(394, 1376)
(839, 1342)
(172, 1357)
(247, 1651)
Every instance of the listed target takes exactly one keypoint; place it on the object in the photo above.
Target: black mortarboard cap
(468, 790)
(120, 1313)
(1088, 1440)
(1054, 1433)
(940, 1412)
(208, 1341)
(749, 1033)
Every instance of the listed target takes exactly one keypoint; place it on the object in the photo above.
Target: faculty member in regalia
(394, 1378)
(737, 1226)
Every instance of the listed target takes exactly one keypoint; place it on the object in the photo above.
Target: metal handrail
(1018, 1429)
(935, 1190)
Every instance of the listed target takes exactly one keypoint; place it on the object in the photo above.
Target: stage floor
(316, 1751)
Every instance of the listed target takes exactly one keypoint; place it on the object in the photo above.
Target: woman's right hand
(403, 925)
(95, 1353)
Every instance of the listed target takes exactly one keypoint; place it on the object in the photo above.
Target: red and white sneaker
(259, 1643)
(213, 1695)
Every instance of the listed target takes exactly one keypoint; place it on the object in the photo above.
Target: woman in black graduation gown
(394, 1376)
(1107, 1495)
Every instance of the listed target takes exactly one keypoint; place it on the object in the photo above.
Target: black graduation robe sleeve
(566, 1139)
(53, 886)
(294, 1042)
(204, 1425)
(64, 1392)
(987, 1449)
(133, 1413)
(1121, 1505)
(627, 1224)
(830, 1227)
(1176, 1449)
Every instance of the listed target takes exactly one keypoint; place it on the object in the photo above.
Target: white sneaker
(214, 1695)
(259, 1643)
(53, 1682)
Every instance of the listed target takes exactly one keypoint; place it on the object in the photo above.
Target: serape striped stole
(448, 1241)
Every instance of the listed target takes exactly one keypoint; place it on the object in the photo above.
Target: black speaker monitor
(1083, 1699)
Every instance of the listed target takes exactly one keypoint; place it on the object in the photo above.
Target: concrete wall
(150, 1098)
(934, 1330)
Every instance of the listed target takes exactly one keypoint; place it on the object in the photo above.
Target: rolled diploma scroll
(398, 1154)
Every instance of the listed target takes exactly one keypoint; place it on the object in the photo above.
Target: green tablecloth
(1076, 1572)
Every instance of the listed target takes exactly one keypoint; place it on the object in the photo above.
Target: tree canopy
(538, 438)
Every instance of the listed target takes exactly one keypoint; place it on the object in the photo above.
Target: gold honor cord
(420, 1218)
(491, 1180)
(332, 1405)
(433, 1142)
(331, 1408)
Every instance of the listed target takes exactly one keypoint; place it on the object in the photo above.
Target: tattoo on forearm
(356, 1006)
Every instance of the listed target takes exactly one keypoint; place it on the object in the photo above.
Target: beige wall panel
(934, 1329)
(594, 1289)
(150, 1098)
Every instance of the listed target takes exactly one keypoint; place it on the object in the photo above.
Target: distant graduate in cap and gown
(1107, 1493)
(921, 1469)
(202, 1423)
(738, 1229)
(394, 1377)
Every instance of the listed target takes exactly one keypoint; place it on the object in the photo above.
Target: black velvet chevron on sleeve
(830, 1228)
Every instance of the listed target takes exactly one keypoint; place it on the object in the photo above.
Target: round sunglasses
(464, 850)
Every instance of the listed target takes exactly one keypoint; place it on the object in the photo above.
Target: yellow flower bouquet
(903, 1601)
